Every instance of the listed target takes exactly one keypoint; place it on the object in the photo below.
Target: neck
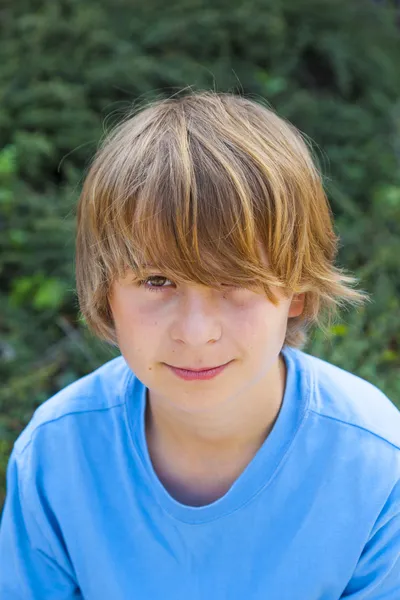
(220, 436)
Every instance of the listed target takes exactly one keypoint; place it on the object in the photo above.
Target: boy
(213, 458)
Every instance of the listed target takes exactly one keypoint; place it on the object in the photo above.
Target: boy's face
(194, 326)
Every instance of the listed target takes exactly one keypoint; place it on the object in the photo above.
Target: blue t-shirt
(314, 516)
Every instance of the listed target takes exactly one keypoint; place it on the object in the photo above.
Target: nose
(197, 320)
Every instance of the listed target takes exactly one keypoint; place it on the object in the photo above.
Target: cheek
(138, 333)
(259, 323)
(129, 314)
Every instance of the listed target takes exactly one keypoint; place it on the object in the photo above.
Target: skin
(202, 434)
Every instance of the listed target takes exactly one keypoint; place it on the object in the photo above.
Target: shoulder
(100, 390)
(350, 400)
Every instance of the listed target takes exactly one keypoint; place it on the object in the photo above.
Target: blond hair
(193, 185)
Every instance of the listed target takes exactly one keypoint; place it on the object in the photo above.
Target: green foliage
(71, 69)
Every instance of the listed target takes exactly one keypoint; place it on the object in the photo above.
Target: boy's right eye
(153, 288)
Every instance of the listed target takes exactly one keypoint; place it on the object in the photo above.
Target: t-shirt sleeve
(377, 575)
(33, 565)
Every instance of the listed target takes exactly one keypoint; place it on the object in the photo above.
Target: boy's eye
(154, 283)
(153, 279)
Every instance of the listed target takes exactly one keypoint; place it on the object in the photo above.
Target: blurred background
(68, 71)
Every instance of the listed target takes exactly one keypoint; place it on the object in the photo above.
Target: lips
(199, 370)
(197, 375)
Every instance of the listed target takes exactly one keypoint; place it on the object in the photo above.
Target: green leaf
(339, 330)
(7, 162)
(50, 294)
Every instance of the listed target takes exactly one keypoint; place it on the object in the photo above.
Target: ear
(297, 305)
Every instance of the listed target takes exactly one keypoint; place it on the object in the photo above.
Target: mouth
(198, 374)
(198, 370)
